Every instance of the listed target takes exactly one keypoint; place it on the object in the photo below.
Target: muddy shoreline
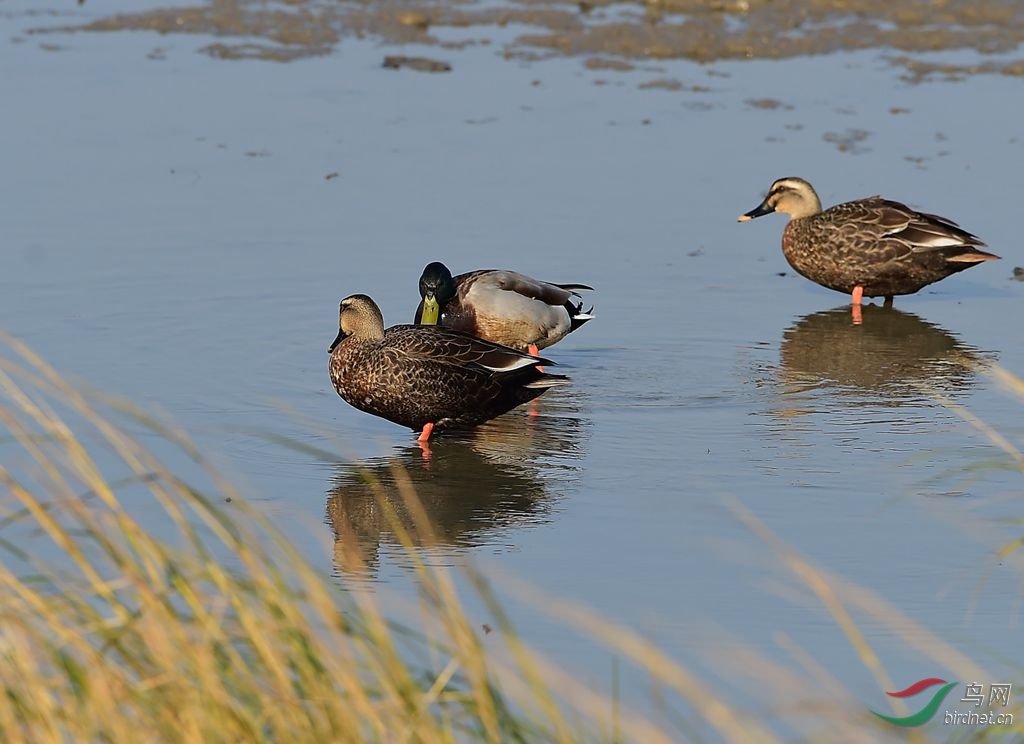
(606, 32)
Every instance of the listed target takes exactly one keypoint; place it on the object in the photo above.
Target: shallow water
(179, 230)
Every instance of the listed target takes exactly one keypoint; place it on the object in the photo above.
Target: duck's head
(792, 196)
(360, 317)
(436, 288)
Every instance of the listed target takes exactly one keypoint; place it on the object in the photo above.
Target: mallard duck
(873, 246)
(426, 377)
(505, 307)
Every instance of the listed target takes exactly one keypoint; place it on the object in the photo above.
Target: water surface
(179, 229)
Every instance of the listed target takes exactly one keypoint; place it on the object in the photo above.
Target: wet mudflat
(179, 229)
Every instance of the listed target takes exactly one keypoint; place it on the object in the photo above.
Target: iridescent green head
(436, 289)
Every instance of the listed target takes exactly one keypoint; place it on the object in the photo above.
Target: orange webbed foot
(855, 300)
(532, 350)
(425, 452)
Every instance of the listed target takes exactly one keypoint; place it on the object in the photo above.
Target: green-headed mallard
(427, 377)
(501, 306)
(873, 246)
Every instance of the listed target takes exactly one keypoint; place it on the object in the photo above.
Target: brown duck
(427, 377)
(874, 246)
(505, 307)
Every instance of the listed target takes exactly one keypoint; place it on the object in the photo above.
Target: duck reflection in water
(894, 356)
(503, 475)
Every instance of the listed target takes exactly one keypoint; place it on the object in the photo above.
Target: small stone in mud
(421, 64)
(1018, 273)
(781, 273)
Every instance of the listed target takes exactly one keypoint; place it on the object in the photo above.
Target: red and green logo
(926, 713)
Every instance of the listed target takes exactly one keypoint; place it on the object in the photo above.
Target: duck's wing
(918, 231)
(497, 281)
(446, 346)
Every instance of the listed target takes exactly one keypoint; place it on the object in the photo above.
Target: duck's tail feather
(575, 287)
(973, 257)
(577, 315)
(548, 381)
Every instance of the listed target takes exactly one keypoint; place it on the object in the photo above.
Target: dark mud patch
(850, 141)
(282, 35)
(918, 71)
(662, 84)
(420, 64)
(768, 104)
(672, 84)
(600, 63)
(699, 30)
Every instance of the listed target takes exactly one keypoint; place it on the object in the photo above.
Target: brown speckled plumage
(415, 375)
(878, 244)
(505, 307)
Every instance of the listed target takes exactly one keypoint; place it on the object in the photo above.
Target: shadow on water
(892, 356)
(504, 475)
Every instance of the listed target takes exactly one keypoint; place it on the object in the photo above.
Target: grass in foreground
(217, 630)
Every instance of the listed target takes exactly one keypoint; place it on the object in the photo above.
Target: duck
(872, 247)
(501, 306)
(428, 378)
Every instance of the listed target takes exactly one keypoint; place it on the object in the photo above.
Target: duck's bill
(759, 211)
(431, 311)
(338, 340)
